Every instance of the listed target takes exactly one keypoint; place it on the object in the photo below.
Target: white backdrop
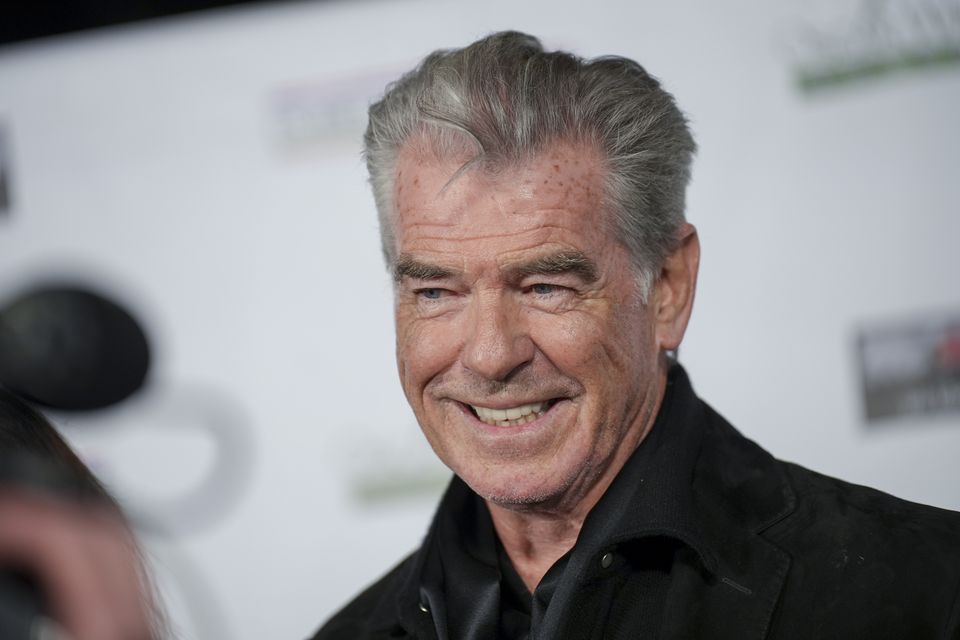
(206, 171)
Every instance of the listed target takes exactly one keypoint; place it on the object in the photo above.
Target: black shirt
(612, 584)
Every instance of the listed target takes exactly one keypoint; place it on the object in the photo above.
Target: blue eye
(544, 289)
(431, 293)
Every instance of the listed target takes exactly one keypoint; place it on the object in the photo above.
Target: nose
(497, 341)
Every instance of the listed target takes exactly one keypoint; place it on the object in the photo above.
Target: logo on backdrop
(911, 367)
(876, 38)
(312, 117)
(381, 468)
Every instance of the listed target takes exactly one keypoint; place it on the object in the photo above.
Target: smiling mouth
(513, 416)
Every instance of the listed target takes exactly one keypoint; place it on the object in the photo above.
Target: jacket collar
(740, 490)
(654, 494)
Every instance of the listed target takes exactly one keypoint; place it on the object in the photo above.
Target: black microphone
(71, 349)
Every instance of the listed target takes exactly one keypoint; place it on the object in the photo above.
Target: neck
(534, 541)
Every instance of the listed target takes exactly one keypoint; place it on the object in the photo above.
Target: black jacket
(798, 555)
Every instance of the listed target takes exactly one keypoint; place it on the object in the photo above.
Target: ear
(674, 290)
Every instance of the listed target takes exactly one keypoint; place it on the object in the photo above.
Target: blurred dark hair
(33, 445)
(34, 455)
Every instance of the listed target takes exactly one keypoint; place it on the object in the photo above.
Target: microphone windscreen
(71, 349)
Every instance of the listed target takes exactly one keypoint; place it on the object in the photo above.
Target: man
(532, 211)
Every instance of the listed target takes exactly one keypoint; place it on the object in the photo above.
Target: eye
(544, 289)
(430, 293)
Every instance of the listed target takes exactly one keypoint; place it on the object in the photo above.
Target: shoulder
(800, 503)
(829, 503)
(371, 611)
(868, 562)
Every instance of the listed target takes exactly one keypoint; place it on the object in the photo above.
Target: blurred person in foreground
(532, 212)
(68, 562)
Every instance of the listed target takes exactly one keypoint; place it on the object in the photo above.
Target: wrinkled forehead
(555, 175)
(557, 191)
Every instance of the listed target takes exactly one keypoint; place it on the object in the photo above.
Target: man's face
(522, 344)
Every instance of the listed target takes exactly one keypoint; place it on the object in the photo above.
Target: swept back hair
(505, 99)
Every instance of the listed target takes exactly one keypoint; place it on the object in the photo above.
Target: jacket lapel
(740, 491)
(736, 604)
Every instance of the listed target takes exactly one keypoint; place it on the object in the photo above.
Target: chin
(512, 494)
(526, 502)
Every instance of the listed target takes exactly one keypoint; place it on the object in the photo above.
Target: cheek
(592, 347)
(425, 348)
(573, 341)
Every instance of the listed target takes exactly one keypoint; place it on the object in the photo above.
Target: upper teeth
(512, 416)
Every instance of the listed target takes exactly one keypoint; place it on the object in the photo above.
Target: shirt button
(606, 560)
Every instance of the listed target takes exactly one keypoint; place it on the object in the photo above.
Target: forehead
(557, 196)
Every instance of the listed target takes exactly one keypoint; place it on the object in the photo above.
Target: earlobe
(676, 288)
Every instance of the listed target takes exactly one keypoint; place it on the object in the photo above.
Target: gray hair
(508, 100)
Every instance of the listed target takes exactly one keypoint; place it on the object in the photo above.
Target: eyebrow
(408, 267)
(572, 262)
